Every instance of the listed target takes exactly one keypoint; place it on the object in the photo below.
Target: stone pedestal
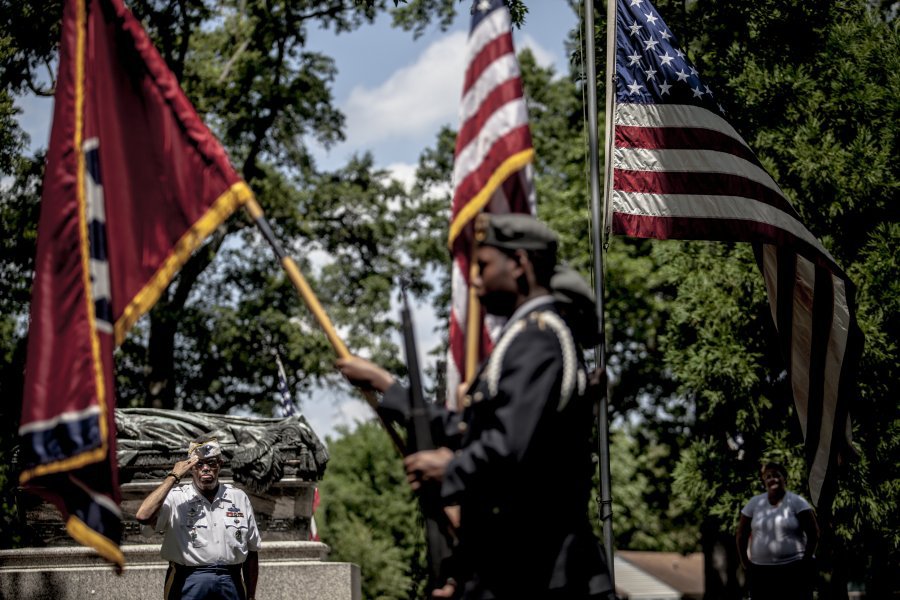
(277, 462)
(283, 512)
(288, 571)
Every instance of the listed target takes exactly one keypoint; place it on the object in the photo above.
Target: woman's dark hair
(773, 466)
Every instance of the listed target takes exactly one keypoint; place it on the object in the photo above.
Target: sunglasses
(212, 464)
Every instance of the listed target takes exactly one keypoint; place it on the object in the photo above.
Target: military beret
(514, 231)
(205, 448)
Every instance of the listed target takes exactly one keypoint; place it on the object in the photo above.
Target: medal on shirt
(194, 541)
(238, 535)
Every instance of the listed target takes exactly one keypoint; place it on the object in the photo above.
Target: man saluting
(517, 458)
(211, 539)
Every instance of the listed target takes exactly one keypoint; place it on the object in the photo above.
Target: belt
(222, 569)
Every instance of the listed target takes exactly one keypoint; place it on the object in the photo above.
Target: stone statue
(258, 451)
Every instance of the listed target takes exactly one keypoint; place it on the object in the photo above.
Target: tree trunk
(161, 357)
(164, 318)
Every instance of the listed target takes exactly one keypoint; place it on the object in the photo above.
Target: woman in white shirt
(776, 539)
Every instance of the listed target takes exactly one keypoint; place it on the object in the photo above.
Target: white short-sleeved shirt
(202, 533)
(776, 536)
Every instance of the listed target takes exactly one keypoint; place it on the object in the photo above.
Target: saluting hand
(183, 467)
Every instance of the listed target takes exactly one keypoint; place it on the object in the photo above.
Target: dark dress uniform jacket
(522, 470)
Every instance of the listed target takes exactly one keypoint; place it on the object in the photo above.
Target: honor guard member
(211, 539)
(517, 457)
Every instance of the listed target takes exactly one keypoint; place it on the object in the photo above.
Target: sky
(396, 93)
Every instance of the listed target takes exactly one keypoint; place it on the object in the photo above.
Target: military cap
(205, 448)
(514, 231)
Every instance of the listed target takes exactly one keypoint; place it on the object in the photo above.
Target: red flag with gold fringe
(134, 183)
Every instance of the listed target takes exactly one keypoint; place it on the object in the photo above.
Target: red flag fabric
(134, 182)
(681, 171)
(492, 167)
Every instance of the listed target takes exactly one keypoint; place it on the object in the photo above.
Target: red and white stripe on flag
(680, 171)
(492, 166)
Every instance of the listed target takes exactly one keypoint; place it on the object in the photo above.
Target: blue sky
(396, 93)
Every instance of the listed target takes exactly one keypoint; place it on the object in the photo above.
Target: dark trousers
(791, 581)
(222, 582)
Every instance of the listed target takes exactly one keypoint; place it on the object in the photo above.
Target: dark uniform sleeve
(394, 409)
(529, 385)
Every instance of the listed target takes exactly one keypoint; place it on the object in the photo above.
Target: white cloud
(415, 100)
(405, 173)
(544, 57)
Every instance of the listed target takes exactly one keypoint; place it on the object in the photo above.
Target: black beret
(514, 231)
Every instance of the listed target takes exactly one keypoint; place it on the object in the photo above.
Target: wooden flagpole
(306, 293)
(605, 508)
(473, 322)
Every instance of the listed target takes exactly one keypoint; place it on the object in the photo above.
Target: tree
(369, 515)
(247, 68)
(821, 116)
(691, 346)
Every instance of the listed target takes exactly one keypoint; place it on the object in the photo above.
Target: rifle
(437, 526)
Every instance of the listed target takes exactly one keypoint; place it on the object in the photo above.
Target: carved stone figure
(258, 452)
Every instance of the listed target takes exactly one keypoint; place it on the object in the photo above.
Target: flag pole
(306, 293)
(473, 322)
(605, 507)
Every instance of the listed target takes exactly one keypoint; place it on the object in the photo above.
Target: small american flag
(680, 171)
(288, 410)
(287, 403)
(492, 166)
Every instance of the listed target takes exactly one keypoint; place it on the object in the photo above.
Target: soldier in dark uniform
(517, 459)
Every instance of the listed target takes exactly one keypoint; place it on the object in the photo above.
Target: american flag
(492, 168)
(287, 403)
(680, 171)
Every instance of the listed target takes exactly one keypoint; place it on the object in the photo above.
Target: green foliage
(813, 89)
(246, 67)
(644, 514)
(369, 516)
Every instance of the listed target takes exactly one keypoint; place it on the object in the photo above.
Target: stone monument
(277, 462)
